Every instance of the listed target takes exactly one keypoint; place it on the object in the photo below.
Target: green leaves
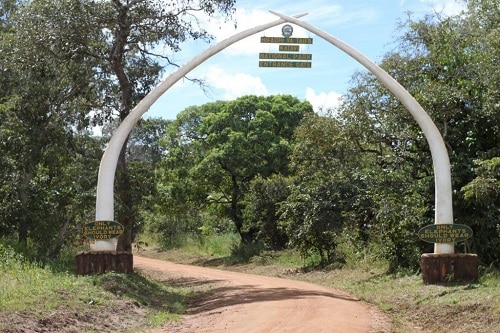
(445, 63)
(220, 147)
(262, 210)
(484, 189)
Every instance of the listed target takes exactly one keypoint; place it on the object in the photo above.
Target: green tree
(328, 194)
(62, 194)
(40, 99)
(447, 64)
(144, 154)
(108, 47)
(482, 202)
(261, 212)
(214, 152)
(47, 183)
(138, 26)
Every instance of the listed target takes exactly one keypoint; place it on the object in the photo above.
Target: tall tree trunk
(247, 236)
(55, 248)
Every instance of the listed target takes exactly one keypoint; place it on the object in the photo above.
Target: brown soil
(115, 318)
(243, 303)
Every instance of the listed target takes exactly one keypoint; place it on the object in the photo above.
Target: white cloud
(323, 101)
(235, 85)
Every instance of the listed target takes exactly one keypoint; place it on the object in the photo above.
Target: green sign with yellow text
(286, 60)
(286, 56)
(286, 40)
(444, 233)
(102, 230)
(285, 64)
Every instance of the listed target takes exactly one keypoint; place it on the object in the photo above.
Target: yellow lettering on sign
(289, 48)
(303, 56)
(285, 64)
(284, 40)
(286, 56)
(102, 230)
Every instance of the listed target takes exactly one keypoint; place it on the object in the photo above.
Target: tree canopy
(71, 64)
(216, 150)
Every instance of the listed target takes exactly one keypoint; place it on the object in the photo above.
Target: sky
(370, 26)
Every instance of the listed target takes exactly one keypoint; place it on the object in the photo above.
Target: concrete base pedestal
(99, 262)
(449, 268)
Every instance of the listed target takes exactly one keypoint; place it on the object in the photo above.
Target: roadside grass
(34, 297)
(219, 245)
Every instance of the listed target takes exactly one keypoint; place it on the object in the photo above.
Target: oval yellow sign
(444, 233)
(102, 230)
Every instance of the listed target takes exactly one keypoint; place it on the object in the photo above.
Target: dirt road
(243, 303)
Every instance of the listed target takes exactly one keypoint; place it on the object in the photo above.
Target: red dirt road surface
(244, 303)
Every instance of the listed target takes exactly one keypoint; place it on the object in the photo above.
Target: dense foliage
(266, 168)
(68, 65)
(446, 63)
(216, 150)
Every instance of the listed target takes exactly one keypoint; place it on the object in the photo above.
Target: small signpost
(448, 267)
(287, 44)
(445, 233)
(97, 262)
(102, 230)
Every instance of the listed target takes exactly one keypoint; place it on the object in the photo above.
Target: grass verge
(35, 298)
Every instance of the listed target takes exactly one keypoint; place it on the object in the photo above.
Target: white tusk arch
(441, 163)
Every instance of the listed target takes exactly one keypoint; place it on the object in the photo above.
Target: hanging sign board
(102, 230)
(286, 60)
(286, 40)
(286, 56)
(445, 233)
(285, 64)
